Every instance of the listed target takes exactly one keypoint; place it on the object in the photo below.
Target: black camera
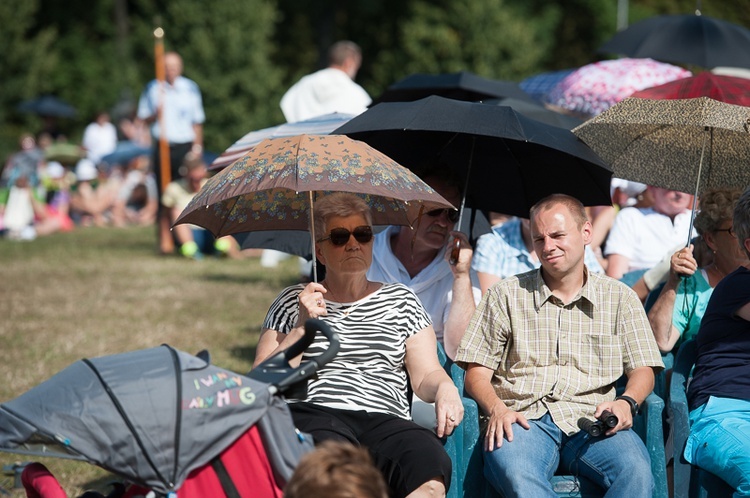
(596, 428)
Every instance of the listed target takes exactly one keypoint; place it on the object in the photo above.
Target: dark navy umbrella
(684, 39)
(464, 86)
(48, 105)
(124, 152)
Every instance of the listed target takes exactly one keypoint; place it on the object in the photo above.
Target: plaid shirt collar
(542, 294)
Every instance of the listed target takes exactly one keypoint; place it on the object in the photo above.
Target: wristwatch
(633, 404)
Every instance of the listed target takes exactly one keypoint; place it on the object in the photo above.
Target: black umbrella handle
(334, 344)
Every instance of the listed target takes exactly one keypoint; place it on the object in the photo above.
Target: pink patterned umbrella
(594, 88)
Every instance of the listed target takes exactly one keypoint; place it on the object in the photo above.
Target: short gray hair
(338, 204)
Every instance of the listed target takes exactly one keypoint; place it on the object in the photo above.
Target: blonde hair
(716, 206)
(574, 206)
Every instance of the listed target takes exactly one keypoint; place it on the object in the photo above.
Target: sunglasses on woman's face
(453, 214)
(340, 236)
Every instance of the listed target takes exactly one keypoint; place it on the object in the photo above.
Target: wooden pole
(166, 172)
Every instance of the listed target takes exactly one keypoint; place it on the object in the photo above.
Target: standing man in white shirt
(182, 118)
(329, 90)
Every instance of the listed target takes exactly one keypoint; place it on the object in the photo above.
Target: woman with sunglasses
(676, 315)
(420, 258)
(387, 342)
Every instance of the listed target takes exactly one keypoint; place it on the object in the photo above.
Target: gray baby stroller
(171, 422)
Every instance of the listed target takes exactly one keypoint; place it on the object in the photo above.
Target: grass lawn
(100, 291)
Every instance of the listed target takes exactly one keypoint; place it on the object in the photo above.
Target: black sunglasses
(453, 214)
(340, 236)
(729, 230)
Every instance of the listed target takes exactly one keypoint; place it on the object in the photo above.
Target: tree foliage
(244, 54)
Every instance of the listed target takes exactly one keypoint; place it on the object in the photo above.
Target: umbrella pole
(466, 184)
(312, 240)
(697, 185)
(160, 77)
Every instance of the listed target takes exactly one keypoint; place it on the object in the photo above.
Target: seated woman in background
(387, 341)
(719, 394)
(676, 314)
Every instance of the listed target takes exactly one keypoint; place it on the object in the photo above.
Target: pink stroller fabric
(38, 482)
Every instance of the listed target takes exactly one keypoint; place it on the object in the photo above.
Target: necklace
(719, 271)
(356, 301)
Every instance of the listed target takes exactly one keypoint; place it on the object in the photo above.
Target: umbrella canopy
(688, 145)
(125, 151)
(64, 153)
(729, 89)
(49, 106)
(464, 86)
(594, 88)
(320, 125)
(509, 160)
(267, 189)
(684, 39)
(273, 187)
(539, 85)
(150, 416)
(539, 112)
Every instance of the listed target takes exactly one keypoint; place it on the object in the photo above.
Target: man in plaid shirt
(543, 350)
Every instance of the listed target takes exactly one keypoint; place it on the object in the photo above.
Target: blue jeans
(618, 464)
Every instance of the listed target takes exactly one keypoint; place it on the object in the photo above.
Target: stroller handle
(312, 325)
(277, 370)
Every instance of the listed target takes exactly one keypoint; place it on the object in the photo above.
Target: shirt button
(563, 362)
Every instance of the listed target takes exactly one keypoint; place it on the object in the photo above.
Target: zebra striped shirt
(369, 371)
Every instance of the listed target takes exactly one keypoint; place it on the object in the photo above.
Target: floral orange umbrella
(273, 186)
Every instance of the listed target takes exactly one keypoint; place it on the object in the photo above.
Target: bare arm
(487, 280)
(462, 304)
(198, 130)
(601, 225)
(271, 342)
(431, 383)
(744, 312)
(617, 265)
(311, 305)
(660, 315)
(639, 386)
(479, 386)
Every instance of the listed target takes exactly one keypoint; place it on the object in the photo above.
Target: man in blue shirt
(182, 118)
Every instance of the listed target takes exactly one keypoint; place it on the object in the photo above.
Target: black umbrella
(509, 160)
(49, 106)
(684, 39)
(539, 112)
(464, 86)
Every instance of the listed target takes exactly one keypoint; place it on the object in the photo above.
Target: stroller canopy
(150, 416)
